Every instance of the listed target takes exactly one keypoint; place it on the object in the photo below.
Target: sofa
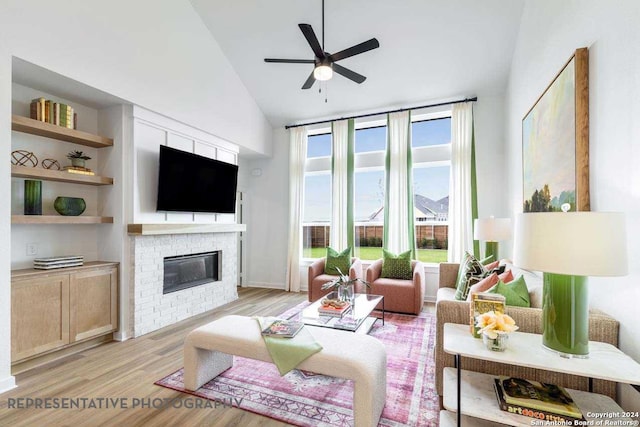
(602, 327)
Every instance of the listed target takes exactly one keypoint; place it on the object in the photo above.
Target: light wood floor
(128, 370)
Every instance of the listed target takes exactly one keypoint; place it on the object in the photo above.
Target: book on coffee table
(282, 329)
(330, 310)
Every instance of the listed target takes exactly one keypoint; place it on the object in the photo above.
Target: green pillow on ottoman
(335, 260)
(396, 266)
(471, 272)
(514, 292)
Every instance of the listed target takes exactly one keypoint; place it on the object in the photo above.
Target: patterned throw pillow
(335, 260)
(471, 272)
(515, 293)
(483, 285)
(396, 266)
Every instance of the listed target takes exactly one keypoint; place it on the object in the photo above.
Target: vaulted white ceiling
(430, 50)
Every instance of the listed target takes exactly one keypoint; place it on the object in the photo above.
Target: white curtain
(398, 209)
(460, 188)
(340, 223)
(297, 157)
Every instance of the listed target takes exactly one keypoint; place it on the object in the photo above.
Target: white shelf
(168, 228)
(479, 400)
(605, 361)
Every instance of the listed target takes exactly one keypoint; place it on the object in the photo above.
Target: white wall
(550, 32)
(267, 197)
(156, 54)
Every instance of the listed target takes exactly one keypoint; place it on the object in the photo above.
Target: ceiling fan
(325, 63)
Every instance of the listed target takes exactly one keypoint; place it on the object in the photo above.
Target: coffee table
(358, 319)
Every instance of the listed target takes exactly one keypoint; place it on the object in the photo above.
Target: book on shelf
(56, 113)
(542, 401)
(78, 170)
(334, 311)
(282, 329)
(483, 302)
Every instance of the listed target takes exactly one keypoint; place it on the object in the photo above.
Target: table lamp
(492, 230)
(567, 247)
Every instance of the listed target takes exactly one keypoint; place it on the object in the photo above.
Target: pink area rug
(306, 399)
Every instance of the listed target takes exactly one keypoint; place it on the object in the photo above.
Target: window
(431, 141)
(431, 144)
(371, 139)
(319, 145)
(431, 132)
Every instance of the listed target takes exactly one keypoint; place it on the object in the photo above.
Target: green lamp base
(565, 315)
(491, 248)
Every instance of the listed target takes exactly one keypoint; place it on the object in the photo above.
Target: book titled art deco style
(547, 402)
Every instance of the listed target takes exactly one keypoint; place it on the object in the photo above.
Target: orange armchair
(317, 278)
(402, 296)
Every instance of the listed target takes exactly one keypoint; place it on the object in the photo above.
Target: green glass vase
(32, 197)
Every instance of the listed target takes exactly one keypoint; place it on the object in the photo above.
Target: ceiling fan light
(323, 72)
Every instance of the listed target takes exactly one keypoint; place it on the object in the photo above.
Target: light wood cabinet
(40, 315)
(93, 303)
(51, 310)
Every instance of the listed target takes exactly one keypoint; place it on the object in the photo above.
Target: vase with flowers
(344, 286)
(495, 328)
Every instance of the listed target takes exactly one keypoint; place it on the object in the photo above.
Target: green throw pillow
(335, 260)
(471, 271)
(487, 260)
(514, 292)
(396, 266)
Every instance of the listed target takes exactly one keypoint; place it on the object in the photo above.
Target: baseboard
(7, 384)
(430, 299)
(265, 285)
(121, 336)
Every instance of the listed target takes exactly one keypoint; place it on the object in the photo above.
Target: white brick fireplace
(150, 309)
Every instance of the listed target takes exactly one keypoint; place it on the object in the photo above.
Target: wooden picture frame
(555, 142)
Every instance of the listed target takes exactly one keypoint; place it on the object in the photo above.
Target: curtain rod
(475, 98)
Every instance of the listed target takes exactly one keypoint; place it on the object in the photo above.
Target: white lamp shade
(574, 243)
(492, 229)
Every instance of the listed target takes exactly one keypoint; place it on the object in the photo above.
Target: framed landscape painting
(555, 142)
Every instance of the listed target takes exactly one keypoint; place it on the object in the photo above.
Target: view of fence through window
(430, 185)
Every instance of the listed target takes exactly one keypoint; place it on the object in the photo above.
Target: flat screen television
(192, 183)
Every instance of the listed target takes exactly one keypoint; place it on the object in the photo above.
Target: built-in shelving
(36, 127)
(59, 219)
(59, 176)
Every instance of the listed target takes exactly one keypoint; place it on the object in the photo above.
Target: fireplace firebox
(186, 271)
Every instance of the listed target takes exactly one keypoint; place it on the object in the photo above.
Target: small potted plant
(77, 158)
(343, 285)
(495, 328)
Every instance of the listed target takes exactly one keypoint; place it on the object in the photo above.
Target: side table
(605, 362)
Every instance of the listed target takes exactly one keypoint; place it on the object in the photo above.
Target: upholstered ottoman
(209, 350)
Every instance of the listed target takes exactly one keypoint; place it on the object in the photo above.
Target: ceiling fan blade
(312, 40)
(351, 75)
(310, 81)
(290, 61)
(355, 50)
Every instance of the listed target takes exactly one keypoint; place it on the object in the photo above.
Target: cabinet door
(93, 299)
(39, 315)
